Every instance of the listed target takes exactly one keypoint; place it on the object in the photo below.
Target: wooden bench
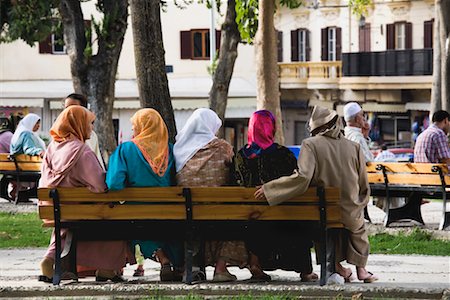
(184, 213)
(19, 168)
(413, 181)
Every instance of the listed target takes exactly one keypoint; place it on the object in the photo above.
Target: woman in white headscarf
(202, 159)
(25, 140)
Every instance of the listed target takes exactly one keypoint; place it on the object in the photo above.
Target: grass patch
(21, 230)
(416, 242)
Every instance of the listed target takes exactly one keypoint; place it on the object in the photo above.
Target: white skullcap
(351, 109)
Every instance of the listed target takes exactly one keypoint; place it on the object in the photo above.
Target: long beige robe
(328, 159)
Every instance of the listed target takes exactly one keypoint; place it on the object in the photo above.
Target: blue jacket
(26, 144)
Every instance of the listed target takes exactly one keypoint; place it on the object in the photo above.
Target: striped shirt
(431, 146)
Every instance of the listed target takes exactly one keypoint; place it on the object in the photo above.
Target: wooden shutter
(338, 43)
(390, 36)
(324, 44)
(218, 36)
(294, 45)
(308, 46)
(46, 45)
(186, 45)
(428, 34)
(364, 38)
(408, 34)
(280, 45)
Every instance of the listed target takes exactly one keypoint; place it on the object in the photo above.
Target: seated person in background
(5, 136)
(385, 155)
(25, 140)
(259, 162)
(328, 159)
(202, 159)
(432, 144)
(69, 162)
(145, 161)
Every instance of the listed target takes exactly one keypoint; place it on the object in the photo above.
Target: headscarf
(27, 124)
(75, 122)
(261, 133)
(69, 132)
(152, 138)
(199, 130)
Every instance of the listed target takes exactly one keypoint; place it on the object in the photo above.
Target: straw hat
(320, 116)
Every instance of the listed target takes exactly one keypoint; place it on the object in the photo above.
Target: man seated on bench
(328, 159)
(432, 144)
(145, 161)
(69, 162)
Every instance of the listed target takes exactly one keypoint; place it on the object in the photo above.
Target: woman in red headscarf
(258, 162)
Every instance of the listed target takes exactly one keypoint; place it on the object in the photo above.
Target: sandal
(310, 277)
(261, 278)
(369, 279)
(224, 277)
(167, 274)
(114, 279)
(44, 278)
(139, 272)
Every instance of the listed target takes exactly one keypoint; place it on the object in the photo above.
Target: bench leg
(189, 258)
(411, 210)
(366, 215)
(445, 221)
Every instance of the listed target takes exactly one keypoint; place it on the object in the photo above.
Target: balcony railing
(305, 71)
(388, 63)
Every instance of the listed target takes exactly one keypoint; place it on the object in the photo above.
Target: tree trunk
(230, 38)
(436, 103)
(150, 61)
(94, 76)
(444, 14)
(268, 90)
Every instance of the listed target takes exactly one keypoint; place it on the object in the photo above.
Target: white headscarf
(27, 124)
(199, 130)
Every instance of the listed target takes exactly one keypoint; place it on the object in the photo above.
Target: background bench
(230, 213)
(413, 181)
(19, 168)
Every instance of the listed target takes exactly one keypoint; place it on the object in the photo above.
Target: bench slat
(10, 166)
(20, 158)
(408, 179)
(415, 168)
(241, 194)
(173, 194)
(200, 212)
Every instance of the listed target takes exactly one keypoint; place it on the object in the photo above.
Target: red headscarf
(261, 129)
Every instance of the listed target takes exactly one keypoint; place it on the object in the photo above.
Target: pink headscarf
(261, 129)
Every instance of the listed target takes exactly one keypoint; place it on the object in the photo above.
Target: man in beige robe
(329, 159)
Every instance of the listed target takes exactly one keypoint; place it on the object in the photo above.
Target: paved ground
(401, 277)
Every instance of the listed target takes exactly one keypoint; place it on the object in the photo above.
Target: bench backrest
(24, 162)
(407, 173)
(169, 203)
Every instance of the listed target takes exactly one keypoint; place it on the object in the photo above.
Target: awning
(381, 107)
(322, 103)
(423, 106)
(21, 102)
(376, 107)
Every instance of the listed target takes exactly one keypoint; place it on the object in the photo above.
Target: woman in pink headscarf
(258, 162)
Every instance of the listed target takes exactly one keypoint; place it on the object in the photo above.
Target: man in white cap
(356, 127)
(328, 159)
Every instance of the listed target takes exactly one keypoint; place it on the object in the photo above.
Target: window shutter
(338, 43)
(280, 45)
(294, 45)
(324, 44)
(218, 36)
(390, 36)
(46, 45)
(308, 47)
(428, 34)
(186, 47)
(408, 33)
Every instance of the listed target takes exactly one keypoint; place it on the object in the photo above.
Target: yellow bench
(414, 181)
(207, 213)
(19, 168)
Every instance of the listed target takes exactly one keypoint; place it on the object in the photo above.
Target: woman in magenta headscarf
(258, 162)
